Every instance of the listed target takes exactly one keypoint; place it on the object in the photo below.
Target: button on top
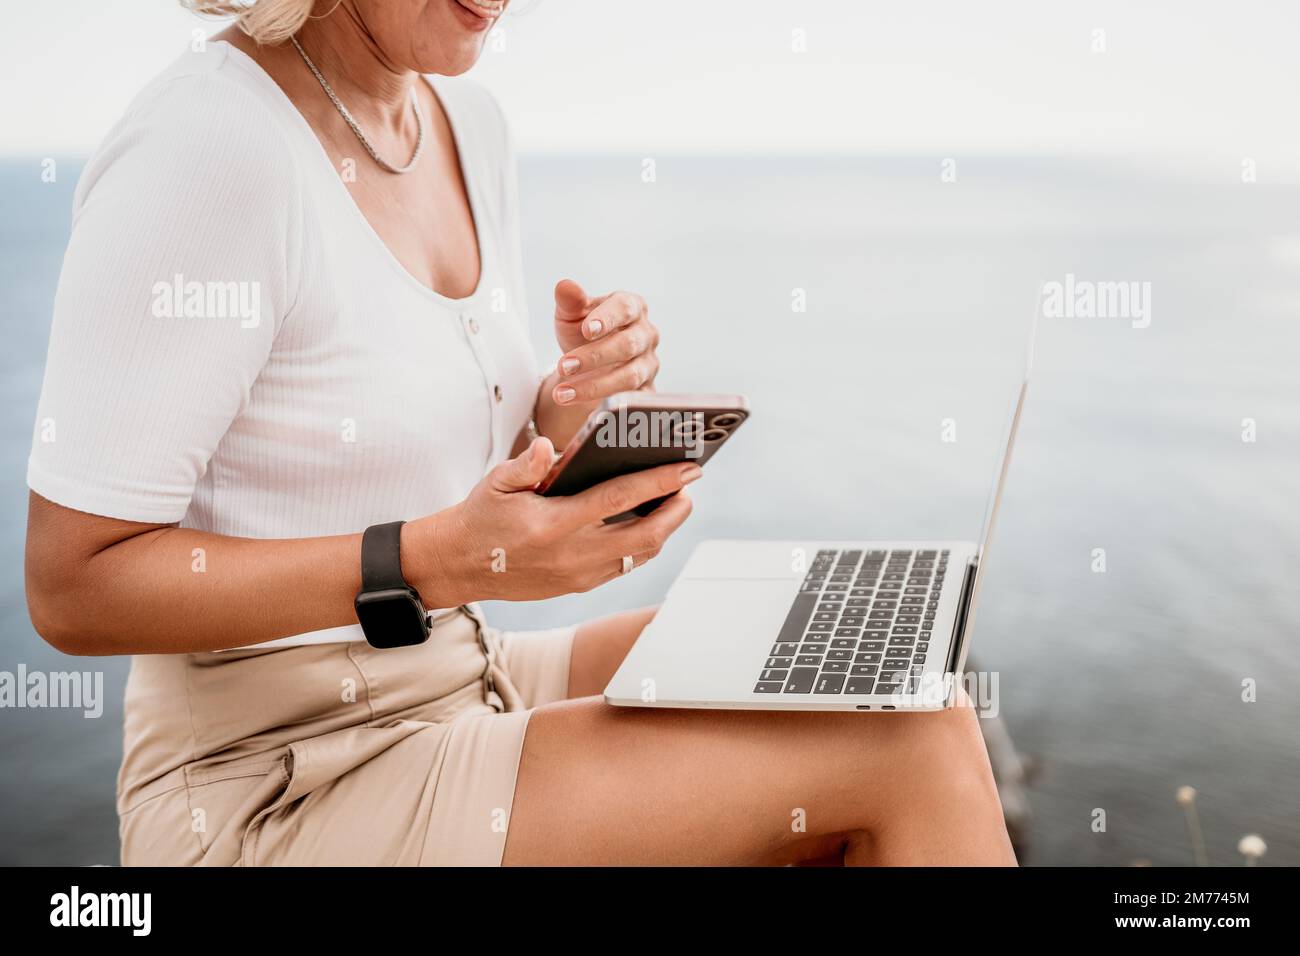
(473, 326)
(496, 390)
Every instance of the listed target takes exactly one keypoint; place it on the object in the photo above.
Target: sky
(1193, 86)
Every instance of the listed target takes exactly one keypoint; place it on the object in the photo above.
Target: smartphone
(633, 431)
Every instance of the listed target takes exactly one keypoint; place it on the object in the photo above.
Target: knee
(943, 745)
(939, 779)
(643, 615)
(954, 747)
(634, 622)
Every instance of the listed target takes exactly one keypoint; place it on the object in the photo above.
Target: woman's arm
(102, 586)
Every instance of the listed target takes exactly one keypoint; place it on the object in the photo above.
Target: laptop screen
(994, 502)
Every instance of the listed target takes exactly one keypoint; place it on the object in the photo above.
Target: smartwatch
(390, 610)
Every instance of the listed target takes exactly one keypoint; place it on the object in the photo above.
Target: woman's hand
(609, 347)
(505, 542)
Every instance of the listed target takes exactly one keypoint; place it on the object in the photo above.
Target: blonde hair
(266, 21)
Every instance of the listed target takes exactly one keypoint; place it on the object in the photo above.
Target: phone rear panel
(625, 440)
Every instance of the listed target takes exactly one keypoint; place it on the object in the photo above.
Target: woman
(291, 310)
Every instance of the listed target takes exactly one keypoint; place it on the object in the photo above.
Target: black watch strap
(390, 611)
(381, 557)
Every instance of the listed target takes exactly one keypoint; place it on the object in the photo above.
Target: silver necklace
(343, 111)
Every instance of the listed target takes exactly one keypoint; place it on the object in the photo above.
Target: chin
(456, 64)
(451, 43)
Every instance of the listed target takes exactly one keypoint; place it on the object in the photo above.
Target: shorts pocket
(224, 796)
(278, 796)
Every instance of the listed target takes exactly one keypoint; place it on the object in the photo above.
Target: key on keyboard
(838, 646)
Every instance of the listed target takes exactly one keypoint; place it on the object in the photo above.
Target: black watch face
(391, 618)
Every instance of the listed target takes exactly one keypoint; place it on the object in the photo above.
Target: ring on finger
(628, 564)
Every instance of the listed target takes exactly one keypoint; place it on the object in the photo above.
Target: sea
(1141, 601)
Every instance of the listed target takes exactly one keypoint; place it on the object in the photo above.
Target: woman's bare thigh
(602, 785)
(599, 646)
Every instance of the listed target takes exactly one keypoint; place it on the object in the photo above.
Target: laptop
(816, 625)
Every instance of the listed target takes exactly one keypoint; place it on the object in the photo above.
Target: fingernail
(564, 394)
(594, 327)
(690, 473)
(569, 365)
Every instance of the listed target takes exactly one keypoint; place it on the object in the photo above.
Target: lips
(485, 9)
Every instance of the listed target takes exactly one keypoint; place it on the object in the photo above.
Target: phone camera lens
(688, 430)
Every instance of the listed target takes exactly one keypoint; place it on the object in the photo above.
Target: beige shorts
(334, 754)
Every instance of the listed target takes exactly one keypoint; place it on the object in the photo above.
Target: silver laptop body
(815, 625)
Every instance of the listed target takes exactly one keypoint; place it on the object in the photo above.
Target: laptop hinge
(963, 612)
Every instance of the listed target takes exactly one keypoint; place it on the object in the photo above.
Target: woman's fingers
(624, 493)
(615, 567)
(572, 306)
(667, 518)
(616, 311)
(613, 349)
(526, 470)
(601, 383)
(609, 344)
(645, 536)
(621, 361)
(571, 303)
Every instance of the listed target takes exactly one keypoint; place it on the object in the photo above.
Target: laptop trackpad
(708, 641)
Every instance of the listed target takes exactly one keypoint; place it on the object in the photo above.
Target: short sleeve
(182, 265)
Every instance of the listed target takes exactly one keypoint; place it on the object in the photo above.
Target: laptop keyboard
(860, 624)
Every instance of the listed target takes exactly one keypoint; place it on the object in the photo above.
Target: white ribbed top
(352, 395)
